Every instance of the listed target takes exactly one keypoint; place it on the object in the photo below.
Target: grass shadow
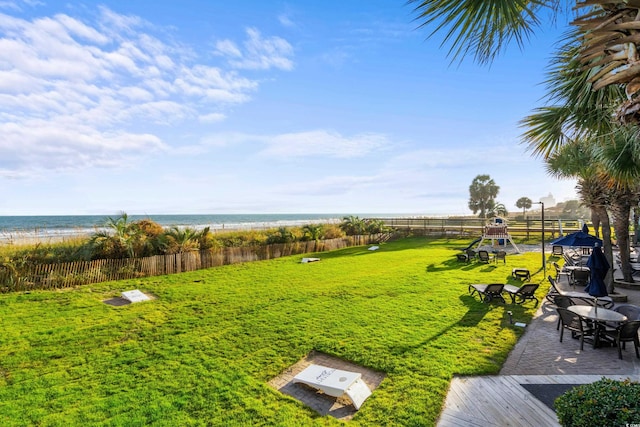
(476, 311)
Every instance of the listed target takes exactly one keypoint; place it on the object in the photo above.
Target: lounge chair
(568, 260)
(574, 323)
(483, 256)
(523, 293)
(625, 332)
(488, 293)
(583, 297)
(557, 250)
(462, 257)
(521, 274)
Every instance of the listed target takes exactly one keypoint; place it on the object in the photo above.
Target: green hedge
(602, 403)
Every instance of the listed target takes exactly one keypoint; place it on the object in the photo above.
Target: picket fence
(71, 274)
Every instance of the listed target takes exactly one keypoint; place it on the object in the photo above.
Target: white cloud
(38, 145)
(212, 117)
(323, 143)
(315, 143)
(76, 93)
(259, 53)
(286, 21)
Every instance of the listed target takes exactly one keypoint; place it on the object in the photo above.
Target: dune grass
(203, 351)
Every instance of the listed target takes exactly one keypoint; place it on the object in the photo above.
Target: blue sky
(155, 107)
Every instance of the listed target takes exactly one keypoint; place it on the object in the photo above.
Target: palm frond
(483, 28)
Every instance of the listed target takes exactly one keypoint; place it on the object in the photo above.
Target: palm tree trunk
(595, 220)
(621, 210)
(603, 216)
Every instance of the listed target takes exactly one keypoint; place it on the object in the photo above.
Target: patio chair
(574, 323)
(557, 250)
(500, 255)
(562, 302)
(631, 311)
(471, 254)
(580, 278)
(483, 256)
(523, 293)
(488, 293)
(559, 272)
(625, 332)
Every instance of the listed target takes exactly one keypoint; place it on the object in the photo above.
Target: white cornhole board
(335, 382)
(310, 259)
(135, 296)
(374, 248)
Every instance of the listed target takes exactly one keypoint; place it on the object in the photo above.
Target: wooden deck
(501, 401)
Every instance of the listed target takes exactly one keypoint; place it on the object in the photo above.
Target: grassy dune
(203, 351)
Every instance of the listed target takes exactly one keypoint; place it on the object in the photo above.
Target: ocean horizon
(61, 226)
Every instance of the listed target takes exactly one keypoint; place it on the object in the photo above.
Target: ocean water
(60, 226)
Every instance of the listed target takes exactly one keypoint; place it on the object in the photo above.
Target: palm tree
(524, 203)
(121, 238)
(500, 210)
(180, 240)
(281, 235)
(352, 225)
(579, 139)
(574, 161)
(313, 231)
(482, 194)
(606, 29)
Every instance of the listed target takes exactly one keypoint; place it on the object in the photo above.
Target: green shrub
(602, 403)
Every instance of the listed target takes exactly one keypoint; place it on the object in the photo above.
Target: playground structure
(497, 232)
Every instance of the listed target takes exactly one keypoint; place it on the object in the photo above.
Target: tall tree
(482, 195)
(579, 138)
(578, 161)
(524, 203)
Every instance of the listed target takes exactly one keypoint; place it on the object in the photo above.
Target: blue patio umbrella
(599, 266)
(579, 238)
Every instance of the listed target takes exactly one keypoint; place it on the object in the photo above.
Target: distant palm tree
(352, 225)
(524, 203)
(313, 231)
(482, 194)
(180, 240)
(121, 238)
(281, 235)
(498, 210)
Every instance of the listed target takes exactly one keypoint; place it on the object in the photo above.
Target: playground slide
(473, 243)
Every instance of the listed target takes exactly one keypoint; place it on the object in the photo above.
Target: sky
(220, 107)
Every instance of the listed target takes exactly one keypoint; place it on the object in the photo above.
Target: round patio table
(599, 315)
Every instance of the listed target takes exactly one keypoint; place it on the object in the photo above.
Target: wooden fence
(65, 275)
(473, 227)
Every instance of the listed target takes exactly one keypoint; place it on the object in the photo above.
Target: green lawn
(203, 351)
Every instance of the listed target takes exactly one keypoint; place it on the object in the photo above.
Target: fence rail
(70, 274)
(473, 227)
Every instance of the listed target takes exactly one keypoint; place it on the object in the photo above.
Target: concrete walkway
(538, 358)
